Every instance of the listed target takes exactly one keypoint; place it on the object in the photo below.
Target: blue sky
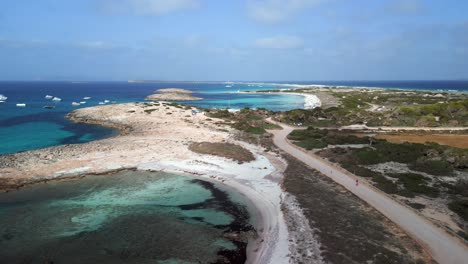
(233, 40)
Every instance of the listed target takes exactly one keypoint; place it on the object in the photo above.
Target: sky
(268, 40)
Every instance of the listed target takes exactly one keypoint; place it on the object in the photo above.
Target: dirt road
(442, 246)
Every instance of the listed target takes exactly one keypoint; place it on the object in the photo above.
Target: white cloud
(93, 44)
(272, 11)
(279, 42)
(193, 40)
(149, 7)
(22, 43)
(405, 7)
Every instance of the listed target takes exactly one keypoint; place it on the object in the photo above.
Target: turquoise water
(38, 135)
(18, 125)
(129, 217)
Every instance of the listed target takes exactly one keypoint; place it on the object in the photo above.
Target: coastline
(158, 140)
(311, 101)
(354, 87)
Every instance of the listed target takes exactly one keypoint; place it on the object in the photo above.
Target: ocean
(33, 127)
(128, 217)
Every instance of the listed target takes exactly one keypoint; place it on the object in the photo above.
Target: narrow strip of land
(386, 128)
(443, 247)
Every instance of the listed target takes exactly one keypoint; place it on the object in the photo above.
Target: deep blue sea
(34, 127)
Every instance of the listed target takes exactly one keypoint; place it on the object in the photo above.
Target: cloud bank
(279, 42)
(273, 11)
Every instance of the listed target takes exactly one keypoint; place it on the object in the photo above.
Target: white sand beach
(311, 101)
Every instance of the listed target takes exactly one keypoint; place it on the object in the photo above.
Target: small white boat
(106, 101)
(48, 97)
(21, 105)
(101, 103)
(86, 98)
(1, 101)
(3, 98)
(56, 99)
(228, 86)
(83, 102)
(75, 104)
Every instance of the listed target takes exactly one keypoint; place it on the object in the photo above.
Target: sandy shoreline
(311, 101)
(155, 137)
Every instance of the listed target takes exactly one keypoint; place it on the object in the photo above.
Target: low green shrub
(433, 167)
(459, 188)
(310, 144)
(301, 134)
(149, 111)
(224, 114)
(385, 184)
(460, 207)
(417, 206)
(255, 130)
(360, 171)
(369, 156)
(414, 183)
(270, 126)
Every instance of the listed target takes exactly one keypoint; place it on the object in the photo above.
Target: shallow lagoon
(128, 217)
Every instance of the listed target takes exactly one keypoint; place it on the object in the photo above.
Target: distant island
(172, 94)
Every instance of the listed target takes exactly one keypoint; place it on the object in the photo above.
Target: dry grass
(225, 150)
(458, 141)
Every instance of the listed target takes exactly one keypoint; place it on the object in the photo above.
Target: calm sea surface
(128, 217)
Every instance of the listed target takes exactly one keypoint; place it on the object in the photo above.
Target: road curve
(442, 246)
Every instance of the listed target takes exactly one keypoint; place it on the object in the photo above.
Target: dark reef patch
(238, 231)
